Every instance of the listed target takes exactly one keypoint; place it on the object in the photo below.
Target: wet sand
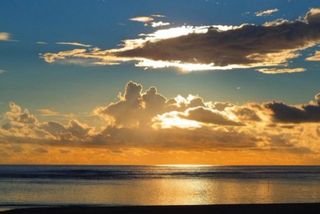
(192, 209)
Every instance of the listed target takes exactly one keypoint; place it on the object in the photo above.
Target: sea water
(156, 185)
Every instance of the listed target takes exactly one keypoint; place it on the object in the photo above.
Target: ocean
(25, 186)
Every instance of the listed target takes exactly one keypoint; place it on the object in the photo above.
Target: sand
(192, 209)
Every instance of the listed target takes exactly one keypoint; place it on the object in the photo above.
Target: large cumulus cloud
(134, 107)
(144, 119)
(137, 108)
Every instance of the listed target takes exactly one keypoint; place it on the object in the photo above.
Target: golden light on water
(164, 192)
(186, 165)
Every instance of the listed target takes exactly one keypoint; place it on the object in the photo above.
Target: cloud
(175, 138)
(48, 112)
(313, 15)
(143, 19)
(180, 122)
(74, 131)
(291, 114)
(280, 70)
(266, 12)
(73, 44)
(150, 20)
(4, 36)
(158, 15)
(135, 107)
(247, 46)
(2, 71)
(40, 150)
(210, 116)
(146, 19)
(17, 114)
(217, 47)
(145, 120)
(82, 57)
(276, 22)
(315, 57)
(20, 123)
(41, 43)
(248, 112)
(296, 114)
(190, 123)
(159, 24)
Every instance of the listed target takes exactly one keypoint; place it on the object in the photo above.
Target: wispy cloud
(2, 71)
(48, 112)
(158, 15)
(73, 44)
(143, 19)
(280, 70)
(159, 24)
(266, 12)
(41, 43)
(151, 20)
(315, 57)
(146, 19)
(4, 36)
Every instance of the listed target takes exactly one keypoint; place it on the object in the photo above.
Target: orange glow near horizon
(102, 156)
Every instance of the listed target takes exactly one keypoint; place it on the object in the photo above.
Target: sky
(160, 82)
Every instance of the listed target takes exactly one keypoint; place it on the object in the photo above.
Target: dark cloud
(247, 45)
(291, 114)
(269, 45)
(313, 15)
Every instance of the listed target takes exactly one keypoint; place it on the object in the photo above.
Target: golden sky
(145, 127)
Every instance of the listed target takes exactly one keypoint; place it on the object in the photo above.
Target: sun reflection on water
(160, 185)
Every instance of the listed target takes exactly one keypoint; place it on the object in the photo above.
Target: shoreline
(186, 209)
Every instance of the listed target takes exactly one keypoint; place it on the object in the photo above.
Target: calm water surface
(156, 185)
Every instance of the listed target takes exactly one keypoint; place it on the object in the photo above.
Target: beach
(191, 209)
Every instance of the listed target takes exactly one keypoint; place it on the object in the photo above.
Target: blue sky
(252, 67)
(36, 84)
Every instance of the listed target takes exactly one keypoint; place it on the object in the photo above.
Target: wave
(138, 172)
